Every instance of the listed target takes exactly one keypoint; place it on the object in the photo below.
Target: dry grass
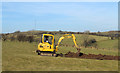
(19, 56)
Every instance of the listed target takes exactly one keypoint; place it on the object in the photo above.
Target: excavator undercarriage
(46, 53)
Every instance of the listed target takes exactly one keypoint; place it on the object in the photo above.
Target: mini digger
(47, 45)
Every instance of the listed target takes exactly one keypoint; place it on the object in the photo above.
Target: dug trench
(88, 56)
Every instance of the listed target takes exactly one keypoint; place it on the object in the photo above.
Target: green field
(19, 56)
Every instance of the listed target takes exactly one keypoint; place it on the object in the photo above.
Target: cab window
(48, 39)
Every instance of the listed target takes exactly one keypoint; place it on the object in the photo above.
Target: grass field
(19, 56)
(102, 42)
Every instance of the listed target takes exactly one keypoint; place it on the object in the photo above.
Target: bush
(88, 42)
(91, 41)
(0, 37)
(12, 38)
(4, 37)
(37, 40)
(95, 45)
(17, 32)
(30, 39)
(21, 37)
(85, 43)
(112, 38)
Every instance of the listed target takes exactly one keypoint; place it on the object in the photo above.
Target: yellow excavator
(48, 47)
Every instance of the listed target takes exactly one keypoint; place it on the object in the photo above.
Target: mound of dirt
(91, 56)
(78, 54)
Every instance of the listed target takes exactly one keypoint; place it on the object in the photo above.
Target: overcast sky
(55, 16)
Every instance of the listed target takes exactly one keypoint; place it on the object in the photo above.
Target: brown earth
(89, 56)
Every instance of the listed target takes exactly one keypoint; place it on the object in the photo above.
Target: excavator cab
(47, 44)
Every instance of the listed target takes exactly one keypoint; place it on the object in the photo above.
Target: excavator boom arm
(74, 40)
(68, 36)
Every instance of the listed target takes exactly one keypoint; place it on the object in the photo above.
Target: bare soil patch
(89, 56)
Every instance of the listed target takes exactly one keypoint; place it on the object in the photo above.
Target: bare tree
(85, 40)
(86, 32)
